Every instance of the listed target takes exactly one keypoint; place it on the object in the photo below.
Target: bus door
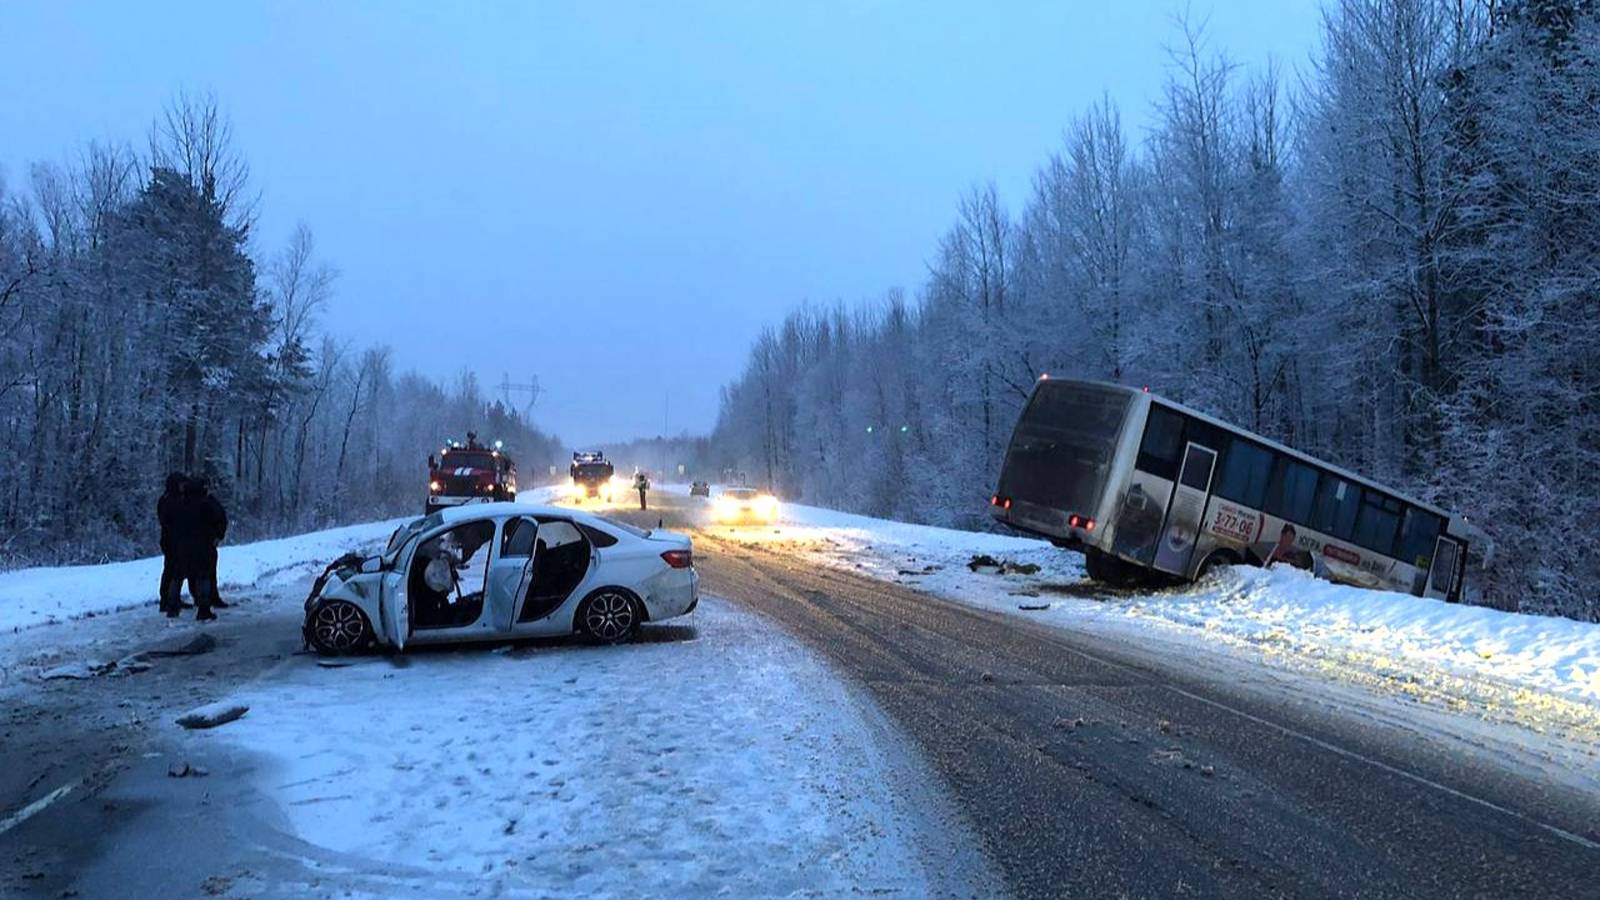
(1444, 575)
(1187, 509)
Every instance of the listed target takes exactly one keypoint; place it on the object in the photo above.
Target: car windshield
(741, 493)
(624, 526)
(594, 470)
(407, 531)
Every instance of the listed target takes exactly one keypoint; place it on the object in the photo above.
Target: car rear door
(562, 560)
(512, 569)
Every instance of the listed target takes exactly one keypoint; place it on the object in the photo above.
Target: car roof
(474, 511)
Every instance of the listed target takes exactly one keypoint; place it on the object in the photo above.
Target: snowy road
(1099, 766)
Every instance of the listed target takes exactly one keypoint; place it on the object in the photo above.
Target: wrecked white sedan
(498, 571)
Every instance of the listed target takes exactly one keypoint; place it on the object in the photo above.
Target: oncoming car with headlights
(738, 505)
(501, 571)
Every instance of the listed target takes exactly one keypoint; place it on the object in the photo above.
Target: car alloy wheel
(610, 617)
(338, 626)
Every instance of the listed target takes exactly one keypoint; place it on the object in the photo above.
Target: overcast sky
(613, 197)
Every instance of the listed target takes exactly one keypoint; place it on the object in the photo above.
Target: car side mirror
(433, 464)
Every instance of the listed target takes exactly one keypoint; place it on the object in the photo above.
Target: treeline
(1392, 261)
(139, 335)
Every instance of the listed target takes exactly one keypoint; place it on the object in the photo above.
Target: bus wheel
(1215, 561)
(1107, 569)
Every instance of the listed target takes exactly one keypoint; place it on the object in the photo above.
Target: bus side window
(1162, 447)
(1378, 523)
(1337, 502)
(1417, 536)
(1290, 490)
(1245, 472)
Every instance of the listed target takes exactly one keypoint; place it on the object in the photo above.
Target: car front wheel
(609, 616)
(338, 627)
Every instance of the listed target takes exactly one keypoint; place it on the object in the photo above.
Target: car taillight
(1084, 522)
(679, 559)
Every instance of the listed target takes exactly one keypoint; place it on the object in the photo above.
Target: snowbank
(1283, 610)
(1548, 654)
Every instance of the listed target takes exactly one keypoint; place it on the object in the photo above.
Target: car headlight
(768, 506)
(435, 486)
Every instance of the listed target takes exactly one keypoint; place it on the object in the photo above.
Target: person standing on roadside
(193, 541)
(641, 482)
(166, 509)
(216, 519)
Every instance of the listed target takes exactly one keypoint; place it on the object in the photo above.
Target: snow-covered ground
(715, 757)
(1535, 669)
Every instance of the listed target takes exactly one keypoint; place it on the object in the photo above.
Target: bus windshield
(1062, 449)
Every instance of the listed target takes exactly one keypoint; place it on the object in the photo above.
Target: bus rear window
(1061, 453)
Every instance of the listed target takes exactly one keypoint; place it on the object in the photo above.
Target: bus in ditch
(1148, 488)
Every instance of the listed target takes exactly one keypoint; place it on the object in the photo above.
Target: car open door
(511, 571)
(394, 606)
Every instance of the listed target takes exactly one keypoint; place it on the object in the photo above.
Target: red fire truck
(470, 473)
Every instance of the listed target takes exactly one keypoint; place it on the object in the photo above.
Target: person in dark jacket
(193, 535)
(217, 522)
(166, 509)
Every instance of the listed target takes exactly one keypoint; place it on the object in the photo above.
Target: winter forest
(143, 329)
(1388, 256)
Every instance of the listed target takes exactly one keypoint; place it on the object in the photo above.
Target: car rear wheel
(338, 627)
(609, 616)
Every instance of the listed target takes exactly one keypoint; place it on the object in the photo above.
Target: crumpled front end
(344, 579)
